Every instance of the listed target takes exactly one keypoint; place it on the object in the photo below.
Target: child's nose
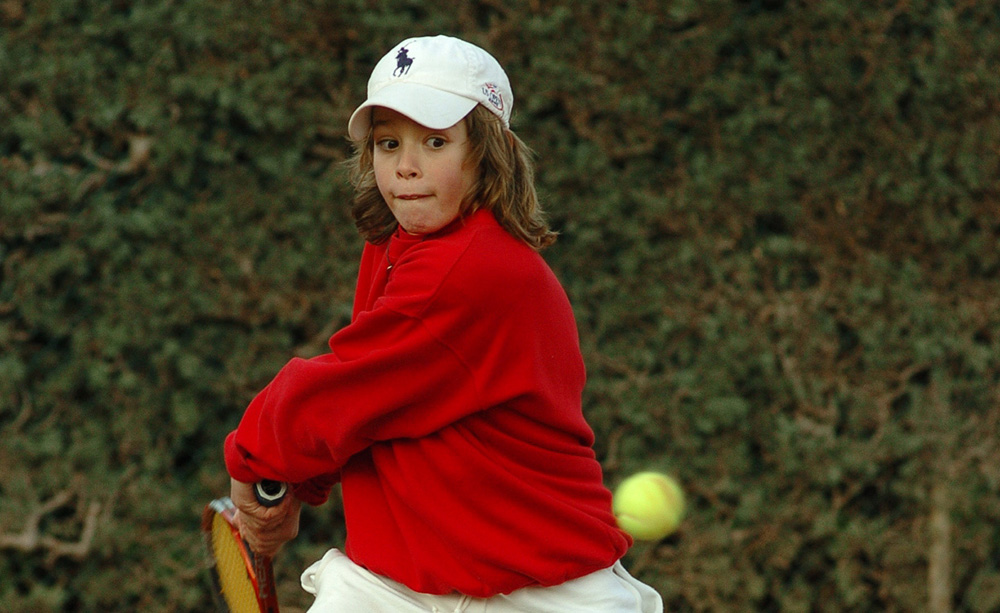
(409, 165)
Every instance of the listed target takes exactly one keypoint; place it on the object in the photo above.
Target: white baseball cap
(435, 81)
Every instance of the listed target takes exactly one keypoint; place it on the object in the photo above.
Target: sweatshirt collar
(402, 240)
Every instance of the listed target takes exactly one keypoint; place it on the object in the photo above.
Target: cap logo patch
(492, 93)
(403, 62)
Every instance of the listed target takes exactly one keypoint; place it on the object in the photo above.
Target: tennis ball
(649, 505)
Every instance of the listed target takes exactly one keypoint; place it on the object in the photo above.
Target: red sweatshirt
(449, 410)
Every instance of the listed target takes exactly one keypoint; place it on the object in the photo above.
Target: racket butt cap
(270, 493)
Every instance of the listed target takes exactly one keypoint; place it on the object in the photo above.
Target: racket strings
(234, 581)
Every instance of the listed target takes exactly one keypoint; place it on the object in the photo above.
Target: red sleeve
(387, 377)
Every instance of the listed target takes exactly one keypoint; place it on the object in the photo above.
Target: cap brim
(430, 107)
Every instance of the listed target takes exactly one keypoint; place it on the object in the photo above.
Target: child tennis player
(449, 409)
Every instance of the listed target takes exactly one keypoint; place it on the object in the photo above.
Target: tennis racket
(243, 580)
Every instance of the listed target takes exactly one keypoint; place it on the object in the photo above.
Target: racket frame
(258, 567)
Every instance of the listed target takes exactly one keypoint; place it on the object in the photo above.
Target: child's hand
(265, 529)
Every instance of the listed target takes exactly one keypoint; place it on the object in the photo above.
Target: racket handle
(269, 493)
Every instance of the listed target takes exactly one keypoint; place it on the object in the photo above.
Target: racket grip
(269, 493)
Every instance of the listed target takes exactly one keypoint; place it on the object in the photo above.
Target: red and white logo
(492, 94)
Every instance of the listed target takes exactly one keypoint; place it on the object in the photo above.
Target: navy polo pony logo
(403, 63)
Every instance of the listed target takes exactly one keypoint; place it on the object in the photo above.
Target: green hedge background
(780, 231)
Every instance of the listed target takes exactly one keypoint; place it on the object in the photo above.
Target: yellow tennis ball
(649, 505)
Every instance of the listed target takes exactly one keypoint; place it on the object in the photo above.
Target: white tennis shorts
(341, 586)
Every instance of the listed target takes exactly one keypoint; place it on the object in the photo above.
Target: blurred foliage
(780, 231)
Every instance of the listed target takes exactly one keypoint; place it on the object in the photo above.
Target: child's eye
(436, 142)
(387, 144)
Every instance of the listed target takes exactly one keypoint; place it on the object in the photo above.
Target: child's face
(421, 173)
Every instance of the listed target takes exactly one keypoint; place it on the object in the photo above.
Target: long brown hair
(505, 184)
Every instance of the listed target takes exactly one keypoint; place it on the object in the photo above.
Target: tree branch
(31, 539)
